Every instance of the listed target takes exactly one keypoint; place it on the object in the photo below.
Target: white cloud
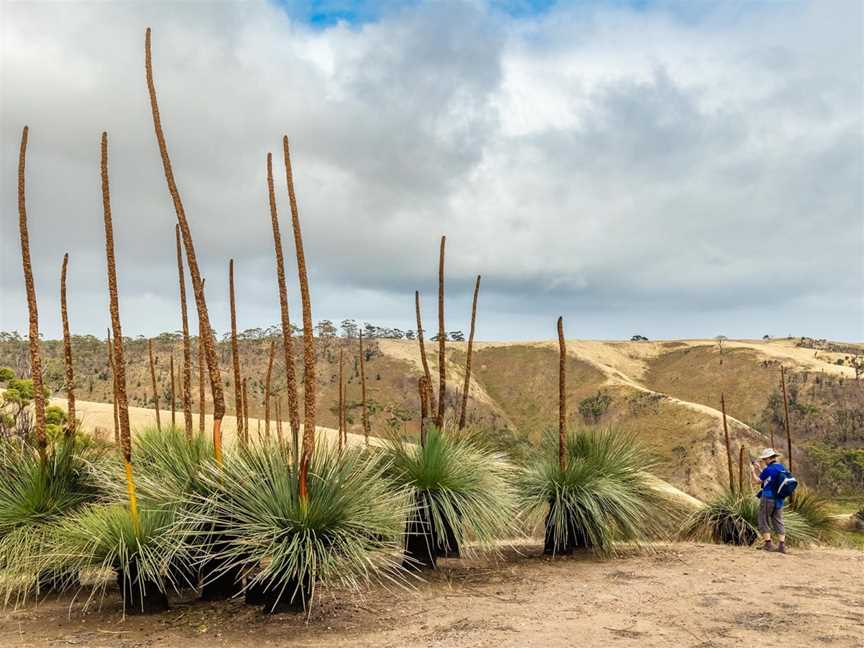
(630, 169)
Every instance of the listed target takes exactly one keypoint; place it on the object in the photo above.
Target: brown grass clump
(119, 362)
(242, 433)
(442, 359)
(197, 281)
(67, 351)
(267, 390)
(308, 332)
(364, 411)
(32, 310)
(187, 349)
(562, 392)
(420, 341)
(287, 336)
(728, 444)
(468, 358)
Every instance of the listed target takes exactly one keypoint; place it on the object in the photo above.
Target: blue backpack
(784, 484)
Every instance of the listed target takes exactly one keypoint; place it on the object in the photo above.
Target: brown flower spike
(32, 310)
(420, 341)
(67, 352)
(468, 358)
(235, 357)
(153, 384)
(187, 348)
(562, 392)
(191, 259)
(364, 410)
(442, 358)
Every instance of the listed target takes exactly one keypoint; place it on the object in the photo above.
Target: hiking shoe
(781, 548)
(768, 546)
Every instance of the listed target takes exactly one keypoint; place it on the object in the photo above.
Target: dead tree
(32, 310)
(67, 352)
(468, 355)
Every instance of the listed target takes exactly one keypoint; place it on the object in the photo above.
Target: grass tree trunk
(287, 335)
(116, 412)
(187, 347)
(308, 332)
(242, 433)
(786, 417)
(468, 355)
(267, 390)
(420, 340)
(153, 384)
(67, 352)
(442, 360)
(728, 444)
(32, 310)
(191, 258)
(364, 412)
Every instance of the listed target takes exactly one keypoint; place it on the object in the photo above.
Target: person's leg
(766, 509)
(779, 528)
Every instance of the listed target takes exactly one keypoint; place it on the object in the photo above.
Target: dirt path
(682, 596)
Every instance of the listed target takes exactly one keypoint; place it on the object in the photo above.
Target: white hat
(767, 453)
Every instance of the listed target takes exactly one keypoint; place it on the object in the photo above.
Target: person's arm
(754, 467)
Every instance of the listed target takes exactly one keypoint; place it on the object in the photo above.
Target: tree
(349, 328)
(325, 329)
(457, 336)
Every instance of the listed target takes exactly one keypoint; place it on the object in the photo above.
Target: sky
(674, 170)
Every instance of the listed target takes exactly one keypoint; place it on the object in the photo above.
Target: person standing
(770, 504)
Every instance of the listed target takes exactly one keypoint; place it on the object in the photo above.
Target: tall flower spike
(119, 361)
(32, 310)
(191, 259)
(442, 358)
(67, 352)
(308, 332)
(235, 356)
(153, 384)
(562, 392)
(468, 355)
(186, 379)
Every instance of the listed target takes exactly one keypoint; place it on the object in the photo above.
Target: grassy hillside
(668, 392)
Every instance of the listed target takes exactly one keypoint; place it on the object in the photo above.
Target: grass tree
(186, 379)
(287, 335)
(467, 384)
(242, 433)
(67, 353)
(153, 383)
(191, 258)
(458, 489)
(32, 308)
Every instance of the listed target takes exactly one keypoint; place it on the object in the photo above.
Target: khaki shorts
(770, 516)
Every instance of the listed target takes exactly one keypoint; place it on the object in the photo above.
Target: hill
(667, 391)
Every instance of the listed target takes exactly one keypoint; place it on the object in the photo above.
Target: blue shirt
(770, 478)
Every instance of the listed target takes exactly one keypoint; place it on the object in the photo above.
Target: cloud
(635, 169)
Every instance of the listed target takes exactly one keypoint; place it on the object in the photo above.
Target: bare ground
(682, 595)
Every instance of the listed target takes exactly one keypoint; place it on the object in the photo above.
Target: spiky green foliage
(105, 537)
(604, 494)
(347, 531)
(34, 497)
(816, 511)
(465, 484)
(732, 518)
